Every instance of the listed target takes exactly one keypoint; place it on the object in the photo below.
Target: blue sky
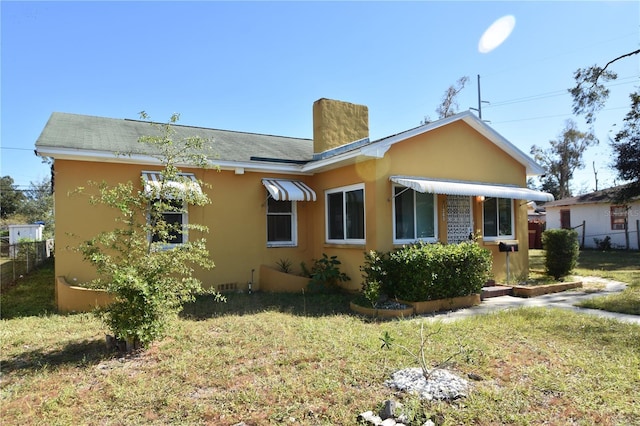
(259, 66)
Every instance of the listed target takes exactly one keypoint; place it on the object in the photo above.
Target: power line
(552, 116)
(554, 93)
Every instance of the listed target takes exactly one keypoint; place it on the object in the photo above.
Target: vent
(226, 287)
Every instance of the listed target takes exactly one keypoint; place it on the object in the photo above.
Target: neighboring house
(596, 216)
(279, 198)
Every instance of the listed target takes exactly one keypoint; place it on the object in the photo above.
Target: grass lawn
(616, 265)
(295, 359)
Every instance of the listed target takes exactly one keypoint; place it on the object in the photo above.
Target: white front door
(459, 218)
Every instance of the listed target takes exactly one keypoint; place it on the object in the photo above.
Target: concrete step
(495, 291)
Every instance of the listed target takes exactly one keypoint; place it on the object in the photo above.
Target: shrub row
(423, 272)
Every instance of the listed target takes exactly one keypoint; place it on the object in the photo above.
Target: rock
(389, 410)
(369, 417)
(474, 376)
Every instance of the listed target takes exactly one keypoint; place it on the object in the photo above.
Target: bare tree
(449, 104)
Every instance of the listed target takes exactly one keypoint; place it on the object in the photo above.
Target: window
(618, 218)
(281, 222)
(345, 215)
(414, 216)
(170, 228)
(497, 217)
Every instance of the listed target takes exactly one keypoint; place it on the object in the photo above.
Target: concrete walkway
(562, 300)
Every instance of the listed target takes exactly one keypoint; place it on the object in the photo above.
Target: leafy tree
(149, 277)
(547, 183)
(564, 156)
(589, 96)
(626, 148)
(38, 204)
(11, 198)
(449, 103)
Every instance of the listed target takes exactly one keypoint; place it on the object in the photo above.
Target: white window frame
(513, 224)
(294, 224)
(344, 190)
(415, 217)
(185, 228)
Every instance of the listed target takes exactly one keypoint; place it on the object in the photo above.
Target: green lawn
(306, 360)
(616, 265)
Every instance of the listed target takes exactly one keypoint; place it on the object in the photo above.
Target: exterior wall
(236, 219)
(597, 223)
(471, 157)
(237, 216)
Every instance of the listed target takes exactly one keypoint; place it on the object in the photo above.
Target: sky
(259, 66)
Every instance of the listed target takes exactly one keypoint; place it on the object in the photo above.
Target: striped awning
(185, 184)
(289, 190)
(470, 188)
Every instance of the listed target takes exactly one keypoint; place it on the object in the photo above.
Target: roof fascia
(239, 167)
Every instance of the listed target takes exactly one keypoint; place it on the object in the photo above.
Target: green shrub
(325, 273)
(561, 251)
(373, 274)
(433, 271)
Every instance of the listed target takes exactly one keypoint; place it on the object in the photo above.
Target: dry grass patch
(276, 367)
(305, 360)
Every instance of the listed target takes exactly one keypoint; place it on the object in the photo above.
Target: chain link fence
(17, 260)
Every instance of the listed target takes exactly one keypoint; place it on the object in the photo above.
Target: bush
(373, 274)
(325, 274)
(561, 251)
(423, 272)
(604, 244)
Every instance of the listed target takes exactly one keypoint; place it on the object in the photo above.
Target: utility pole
(480, 101)
(595, 172)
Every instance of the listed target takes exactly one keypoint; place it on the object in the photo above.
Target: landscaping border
(382, 313)
(420, 308)
(533, 291)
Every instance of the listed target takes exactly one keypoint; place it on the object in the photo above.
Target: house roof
(90, 138)
(83, 137)
(604, 196)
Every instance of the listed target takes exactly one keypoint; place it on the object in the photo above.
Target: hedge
(422, 272)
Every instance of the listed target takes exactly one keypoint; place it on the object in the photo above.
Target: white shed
(32, 232)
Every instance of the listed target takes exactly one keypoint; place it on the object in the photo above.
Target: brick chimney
(336, 123)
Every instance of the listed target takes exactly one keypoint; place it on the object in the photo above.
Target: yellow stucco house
(279, 198)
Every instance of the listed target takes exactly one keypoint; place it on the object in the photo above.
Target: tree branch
(595, 80)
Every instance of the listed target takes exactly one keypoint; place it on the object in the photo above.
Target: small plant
(325, 273)
(604, 244)
(371, 292)
(285, 265)
(420, 357)
(373, 273)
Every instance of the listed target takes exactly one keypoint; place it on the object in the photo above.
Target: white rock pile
(441, 385)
